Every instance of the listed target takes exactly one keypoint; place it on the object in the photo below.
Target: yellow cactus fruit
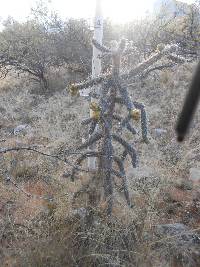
(135, 114)
(73, 90)
(95, 110)
(95, 115)
(94, 106)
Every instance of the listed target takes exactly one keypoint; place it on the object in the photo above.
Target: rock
(182, 235)
(184, 184)
(140, 172)
(80, 212)
(23, 128)
(159, 132)
(194, 176)
(178, 195)
(171, 229)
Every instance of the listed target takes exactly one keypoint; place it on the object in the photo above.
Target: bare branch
(10, 180)
(31, 149)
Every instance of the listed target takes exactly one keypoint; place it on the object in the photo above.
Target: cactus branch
(92, 127)
(138, 70)
(124, 180)
(87, 121)
(93, 139)
(143, 121)
(141, 107)
(127, 124)
(124, 155)
(122, 46)
(125, 96)
(104, 101)
(131, 151)
(100, 47)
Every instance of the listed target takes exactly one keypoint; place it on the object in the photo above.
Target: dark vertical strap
(189, 106)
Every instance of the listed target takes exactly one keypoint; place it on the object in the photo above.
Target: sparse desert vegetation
(46, 219)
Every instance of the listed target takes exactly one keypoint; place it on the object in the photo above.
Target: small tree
(71, 38)
(44, 42)
(27, 48)
(184, 28)
(114, 91)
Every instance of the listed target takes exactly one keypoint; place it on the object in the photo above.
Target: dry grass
(94, 240)
(36, 231)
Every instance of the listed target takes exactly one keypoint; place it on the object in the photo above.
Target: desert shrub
(44, 42)
(24, 172)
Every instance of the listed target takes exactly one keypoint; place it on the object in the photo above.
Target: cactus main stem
(106, 160)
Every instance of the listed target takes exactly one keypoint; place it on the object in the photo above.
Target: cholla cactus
(114, 91)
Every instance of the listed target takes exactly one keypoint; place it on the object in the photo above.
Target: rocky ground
(39, 224)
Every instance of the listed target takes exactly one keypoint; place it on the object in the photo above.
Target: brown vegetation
(42, 224)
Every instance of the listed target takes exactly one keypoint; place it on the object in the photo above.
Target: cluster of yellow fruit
(74, 91)
(95, 111)
(135, 114)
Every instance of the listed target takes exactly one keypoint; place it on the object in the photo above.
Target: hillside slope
(36, 197)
